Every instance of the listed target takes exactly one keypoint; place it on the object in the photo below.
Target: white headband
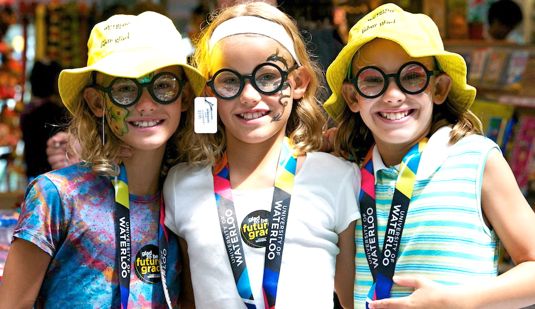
(254, 25)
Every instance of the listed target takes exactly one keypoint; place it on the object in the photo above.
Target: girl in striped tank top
(436, 195)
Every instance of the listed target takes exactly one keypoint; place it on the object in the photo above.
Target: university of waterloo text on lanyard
(383, 263)
(278, 220)
(123, 240)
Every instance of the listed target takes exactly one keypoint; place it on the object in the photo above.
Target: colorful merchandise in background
(8, 219)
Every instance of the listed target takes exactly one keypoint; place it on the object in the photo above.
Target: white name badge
(205, 119)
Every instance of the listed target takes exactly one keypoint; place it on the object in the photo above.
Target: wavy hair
(354, 139)
(103, 157)
(306, 120)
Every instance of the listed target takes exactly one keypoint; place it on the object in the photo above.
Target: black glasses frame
(250, 77)
(396, 77)
(149, 85)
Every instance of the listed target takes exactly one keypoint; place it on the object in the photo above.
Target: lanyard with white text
(123, 240)
(278, 220)
(383, 263)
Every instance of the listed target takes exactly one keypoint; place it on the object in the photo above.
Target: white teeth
(249, 116)
(145, 124)
(395, 116)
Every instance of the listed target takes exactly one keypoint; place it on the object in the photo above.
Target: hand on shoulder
(59, 152)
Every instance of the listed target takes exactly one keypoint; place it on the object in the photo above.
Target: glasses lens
(268, 78)
(124, 91)
(227, 84)
(370, 82)
(166, 88)
(413, 78)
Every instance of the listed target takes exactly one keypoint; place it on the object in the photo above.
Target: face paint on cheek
(117, 119)
(283, 101)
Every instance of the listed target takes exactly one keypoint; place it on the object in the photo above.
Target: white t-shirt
(324, 203)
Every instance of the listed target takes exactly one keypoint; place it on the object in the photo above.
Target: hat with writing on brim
(129, 46)
(417, 34)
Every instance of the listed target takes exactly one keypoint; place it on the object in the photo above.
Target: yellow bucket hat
(129, 46)
(417, 34)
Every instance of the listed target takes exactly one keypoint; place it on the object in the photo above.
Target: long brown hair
(354, 139)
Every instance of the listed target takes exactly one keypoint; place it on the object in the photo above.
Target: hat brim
(71, 82)
(453, 64)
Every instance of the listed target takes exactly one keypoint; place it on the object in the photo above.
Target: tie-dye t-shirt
(69, 214)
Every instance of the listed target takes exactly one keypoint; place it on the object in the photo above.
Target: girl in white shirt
(264, 219)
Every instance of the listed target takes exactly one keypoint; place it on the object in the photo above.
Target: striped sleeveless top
(445, 238)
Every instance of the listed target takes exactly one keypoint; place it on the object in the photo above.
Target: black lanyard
(123, 240)
(278, 221)
(383, 263)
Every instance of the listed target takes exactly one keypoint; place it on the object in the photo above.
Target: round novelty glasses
(164, 88)
(266, 78)
(412, 78)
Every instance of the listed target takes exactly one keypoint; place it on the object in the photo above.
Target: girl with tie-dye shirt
(91, 235)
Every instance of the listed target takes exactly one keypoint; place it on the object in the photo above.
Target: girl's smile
(251, 116)
(395, 116)
(396, 119)
(145, 125)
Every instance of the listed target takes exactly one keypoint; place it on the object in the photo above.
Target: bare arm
(512, 218)
(23, 275)
(187, 300)
(509, 214)
(345, 267)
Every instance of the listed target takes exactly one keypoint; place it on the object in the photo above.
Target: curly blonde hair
(306, 120)
(103, 157)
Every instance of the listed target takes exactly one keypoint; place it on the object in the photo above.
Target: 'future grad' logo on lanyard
(278, 220)
(383, 263)
(123, 240)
